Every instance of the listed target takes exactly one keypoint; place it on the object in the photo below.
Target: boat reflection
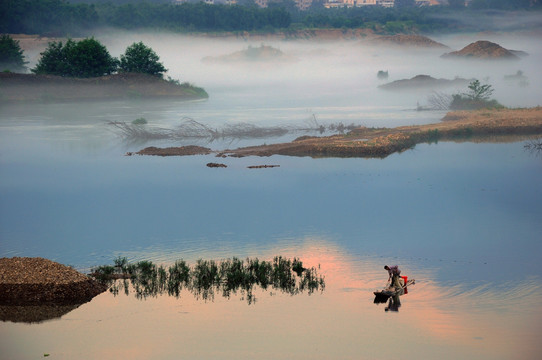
(392, 296)
(394, 304)
(208, 277)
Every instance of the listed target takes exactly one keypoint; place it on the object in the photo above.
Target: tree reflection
(208, 277)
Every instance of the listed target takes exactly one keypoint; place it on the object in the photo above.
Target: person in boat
(394, 273)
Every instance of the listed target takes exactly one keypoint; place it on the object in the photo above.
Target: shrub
(11, 55)
(478, 97)
(139, 121)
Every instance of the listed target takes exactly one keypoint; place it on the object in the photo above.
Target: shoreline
(21, 88)
(484, 125)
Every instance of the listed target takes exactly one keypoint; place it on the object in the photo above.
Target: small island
(483, 125)
(36, 87)
(83, 70)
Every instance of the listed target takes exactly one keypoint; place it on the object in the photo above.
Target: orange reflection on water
(342, 322)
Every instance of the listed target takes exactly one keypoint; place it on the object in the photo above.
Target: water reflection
(394, 304)
(34, 313)
(208, 277)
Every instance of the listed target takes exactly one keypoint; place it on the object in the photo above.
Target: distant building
(386, 3)
(366, 2)
(301, 4)
(383, 3)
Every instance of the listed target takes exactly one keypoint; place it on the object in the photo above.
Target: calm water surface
(463, 219)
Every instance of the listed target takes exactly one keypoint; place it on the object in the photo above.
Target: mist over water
(463, 219)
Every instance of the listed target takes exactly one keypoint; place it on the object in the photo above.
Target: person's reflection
(394, 303)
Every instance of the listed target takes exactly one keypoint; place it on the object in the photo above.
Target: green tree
(141, 59)
(477, 97)
(478, 91)
(85, 58)
(11, 55)
(54, 60)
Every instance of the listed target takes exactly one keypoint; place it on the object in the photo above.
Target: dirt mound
(483, 50)
(35, 281)
(32, 87)
(423, 82)
(407, 40)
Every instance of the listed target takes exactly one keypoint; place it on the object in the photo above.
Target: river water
(462, 219)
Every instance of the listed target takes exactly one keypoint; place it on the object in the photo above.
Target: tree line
(81, 59)
(61, 18)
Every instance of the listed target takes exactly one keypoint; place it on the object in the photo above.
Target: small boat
(383, 295)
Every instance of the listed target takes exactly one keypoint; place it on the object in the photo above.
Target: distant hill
(483, 50)
(424, 82)
(261, 53)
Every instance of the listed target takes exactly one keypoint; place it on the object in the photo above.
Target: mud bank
(485, 125)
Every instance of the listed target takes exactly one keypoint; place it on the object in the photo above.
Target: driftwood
(190, 129)
(262, 166)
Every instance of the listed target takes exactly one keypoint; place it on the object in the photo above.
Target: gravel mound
(33, 281)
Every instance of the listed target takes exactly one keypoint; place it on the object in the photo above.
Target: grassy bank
(48, 88)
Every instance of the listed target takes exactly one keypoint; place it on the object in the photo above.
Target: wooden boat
(383, 295)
